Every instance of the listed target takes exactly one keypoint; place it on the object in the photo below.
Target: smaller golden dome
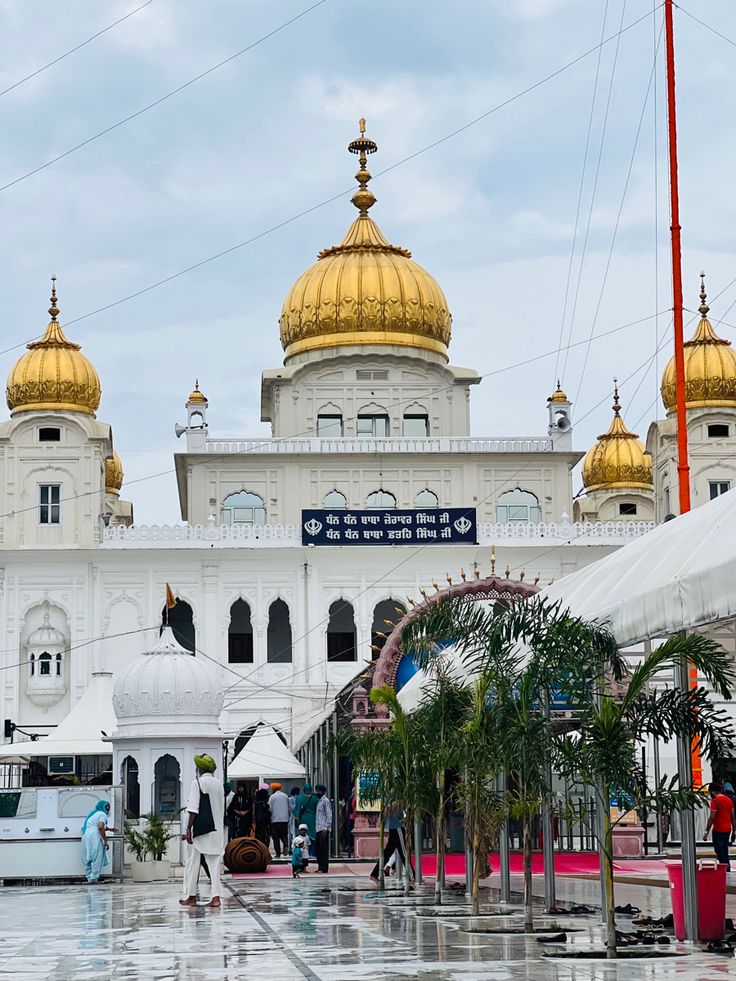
(710, 367)
(558, 395)
(196, 395)
(114, 474)
(618, 458)
(53, 375)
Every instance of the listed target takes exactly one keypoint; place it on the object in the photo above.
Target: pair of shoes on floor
(580, 910)
(553, 938)
(628, 910)
(720, 947)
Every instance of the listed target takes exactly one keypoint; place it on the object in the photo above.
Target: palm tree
(439, 719)
(372, 752)
(612, 720)
(512, 652)
(410, 779)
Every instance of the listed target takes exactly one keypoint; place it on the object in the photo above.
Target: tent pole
(504, 846)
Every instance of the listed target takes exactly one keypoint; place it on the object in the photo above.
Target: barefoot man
(206, 809)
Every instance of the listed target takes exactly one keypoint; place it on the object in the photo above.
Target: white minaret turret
(560, 419)
(196, 427)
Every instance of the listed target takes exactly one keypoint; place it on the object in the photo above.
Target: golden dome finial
(53, 375)
(54, 308)
(363, 199)
(703, 308)
(618, 459)
(196, 395)
(558, 395)
(710, 367)
(616, 403)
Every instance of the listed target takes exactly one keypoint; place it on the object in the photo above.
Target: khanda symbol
(313, 527)
(462, 525)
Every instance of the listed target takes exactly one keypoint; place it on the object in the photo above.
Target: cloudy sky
(490, 212)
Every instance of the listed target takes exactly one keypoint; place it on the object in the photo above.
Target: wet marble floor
(321, 929)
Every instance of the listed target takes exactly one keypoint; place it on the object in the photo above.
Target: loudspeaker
(563, 423)
(179, 430)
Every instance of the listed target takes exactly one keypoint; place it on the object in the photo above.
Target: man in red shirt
(723, 822)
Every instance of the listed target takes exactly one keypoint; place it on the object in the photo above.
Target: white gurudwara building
(298, 551)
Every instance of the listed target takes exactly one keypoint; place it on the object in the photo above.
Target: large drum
(247, 855)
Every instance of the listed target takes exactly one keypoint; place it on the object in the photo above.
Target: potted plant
(149, 847)
(158, 835)
(137, 843)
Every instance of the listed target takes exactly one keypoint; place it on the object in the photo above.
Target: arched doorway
(279, 633)
(240, 634)
(166, 786)
(341, 632)
(386, 615)
(132, 789)
(181, 620)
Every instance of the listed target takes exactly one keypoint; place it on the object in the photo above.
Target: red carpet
(566, 863)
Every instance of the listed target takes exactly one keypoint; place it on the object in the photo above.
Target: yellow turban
(205, 763)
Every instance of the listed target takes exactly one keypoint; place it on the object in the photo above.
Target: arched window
(279, 633)
(380, 499)
(196, 421)
(44, 663)
(58, 665)
(386, 615)
(243, 508)
(181, 620)
(240, 634)
(166, 786)
(518, 505)
(341, 632)
(416, 422)
(372, 421)
(335, 499)
(33, 664)
(129, 780)
(329, 421)
(427, 499)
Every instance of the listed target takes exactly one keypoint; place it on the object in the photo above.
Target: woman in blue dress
(94, 841)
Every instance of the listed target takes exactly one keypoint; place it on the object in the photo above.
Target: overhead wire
(617, 223)
(306, 211)
(258, 442)
(71, 51)
(594, 191)
(163, 98)
(581, 187)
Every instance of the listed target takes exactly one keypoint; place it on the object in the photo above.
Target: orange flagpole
(683, 465)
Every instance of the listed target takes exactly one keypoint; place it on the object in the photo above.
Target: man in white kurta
(210, 844)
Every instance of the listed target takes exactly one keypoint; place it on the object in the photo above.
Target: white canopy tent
(679, 576)
(265, 757)
(80, 734)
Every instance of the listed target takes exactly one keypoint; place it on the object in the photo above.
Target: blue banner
(392, 526)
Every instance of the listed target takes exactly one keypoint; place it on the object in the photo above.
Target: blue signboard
(393, 526)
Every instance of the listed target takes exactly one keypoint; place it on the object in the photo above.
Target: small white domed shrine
(167, 705)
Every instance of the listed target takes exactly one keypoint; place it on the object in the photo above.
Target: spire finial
(196, 384)
(54, 308)
(363, 199)
(703, 308)
(616, 403)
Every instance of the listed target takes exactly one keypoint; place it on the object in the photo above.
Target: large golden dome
(710, 367)
(114, 474)
(53, 374)
(365, 290)
(618, 458)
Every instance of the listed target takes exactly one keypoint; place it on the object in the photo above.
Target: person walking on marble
(205, 830)
(323, 825)
(94, 840)
(278, 804)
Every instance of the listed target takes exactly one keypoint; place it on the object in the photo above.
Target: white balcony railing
(392, 444)
(564, 533)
